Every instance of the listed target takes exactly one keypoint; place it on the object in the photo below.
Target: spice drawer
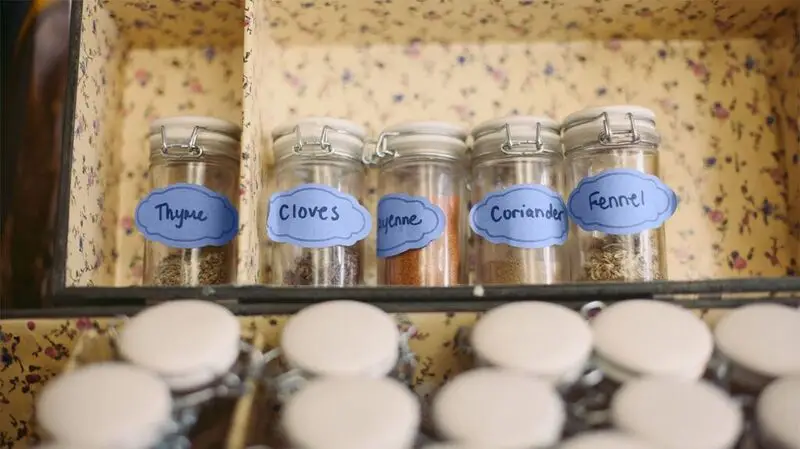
(722, 78)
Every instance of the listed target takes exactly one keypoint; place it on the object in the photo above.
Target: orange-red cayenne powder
(438, 264)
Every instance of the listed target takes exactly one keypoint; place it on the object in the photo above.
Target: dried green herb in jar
(635, 257)
(200, 266)
(337, 266)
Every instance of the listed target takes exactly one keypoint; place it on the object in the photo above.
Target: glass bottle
(315, 215)
(189, 218)
(617, 204)
(518, 213)
(421, 235)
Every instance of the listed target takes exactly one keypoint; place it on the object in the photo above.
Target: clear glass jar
(617, 204)
(189, 219)
(315, 215)
(421, 235)
(518, 212)
(351, 412)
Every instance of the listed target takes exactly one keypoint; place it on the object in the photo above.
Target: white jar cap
(189, 343)
(605, 439)
(488, 137)
(591, 125)
(352, 413)
(647, 337)
(677, 414)
(778, 413)
(762, 338)
(341, 338)
(499, 409)
(106, 405)
(546, 340)
(455, 446)
(346, 138)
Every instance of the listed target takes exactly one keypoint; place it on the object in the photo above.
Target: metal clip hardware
(323, 142)
(192, 149)
(508, 147)
(607, 137)
(381, 148)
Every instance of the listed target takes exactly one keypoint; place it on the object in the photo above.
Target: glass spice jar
(758, 344)
(518, 211)
(677, 414)
(421, 234)
(352, 413)
(107, 405)
(545, 340)
(617, 204)
(492, 407)
(778, 414)
(342, 339)
(189, 218)
(315, 215)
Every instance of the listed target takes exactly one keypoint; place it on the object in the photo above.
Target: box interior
(723, 78)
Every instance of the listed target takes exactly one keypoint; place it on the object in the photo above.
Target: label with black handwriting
(621, 201)
(317, 216)
(187, 216)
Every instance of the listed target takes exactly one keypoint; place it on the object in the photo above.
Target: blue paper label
(407, 222)
(317, 216)
(621, 201)
(187, 216)
(524, 216)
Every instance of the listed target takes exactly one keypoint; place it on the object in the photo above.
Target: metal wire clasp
(372, 153)
(508, 146)
(325, 147)
(607, 136)
(192, 149)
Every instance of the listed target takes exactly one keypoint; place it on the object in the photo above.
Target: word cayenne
(551, 213)
(635, 200)
(396, 221)
(294, 211)
(179, 215)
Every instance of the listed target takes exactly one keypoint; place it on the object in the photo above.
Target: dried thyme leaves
(338, 266)
(204, 266)
(623, 258)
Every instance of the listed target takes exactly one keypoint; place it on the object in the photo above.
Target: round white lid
(426, 138)
(499, 409)
(648, 337)
(677, 414)
(778, 413)
(106, 405)
(618, 110)
(189, 343)
(605, 439)
(341, 124)
(454, 446)
(341, 338)
(352, 413)
(345, 137)
(430, 127)
(547, 340)
(762, 338)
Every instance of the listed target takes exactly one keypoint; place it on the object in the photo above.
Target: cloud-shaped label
(187, 216)
(524, 216)
(407, 222)
(317, 216)
(621, 201)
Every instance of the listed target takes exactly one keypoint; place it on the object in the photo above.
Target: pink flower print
(739, 262)
(51, 352)
(614, 45)
(413, 49)
(126, 223)
(84, 324)
(716, 216)
(699, 69)
(142, 77)
(137, 270)
(31, 325)
(195, 86)
(720, 111)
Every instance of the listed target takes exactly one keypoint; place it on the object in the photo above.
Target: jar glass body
(597, 256)
(441, 181)
(505, 264)
(333, 266)
(208, 265)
